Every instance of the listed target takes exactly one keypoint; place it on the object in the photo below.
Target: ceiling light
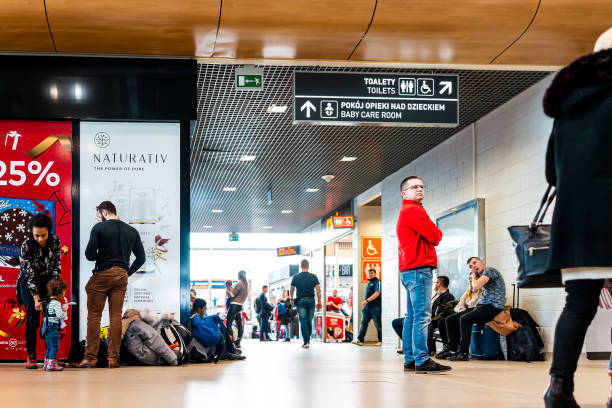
(208, 226)
(247, 158)
(267, 227)
(217, 211)
(277, 109)
(229, 189)
(348, 158)
(312, 190)
(287, 211)
(328, 177)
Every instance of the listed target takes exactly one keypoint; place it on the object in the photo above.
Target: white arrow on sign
(446, 86)
(308, 106)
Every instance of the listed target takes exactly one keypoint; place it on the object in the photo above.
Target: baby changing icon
(329, 109)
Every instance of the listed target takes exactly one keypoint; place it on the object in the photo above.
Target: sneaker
(399, 351)
(53, 366)
(358, 342)
(410, 366)
(432, 367)
(31, 362)
(444, 354)
(460, 357)
(305, 346)
(378, 344)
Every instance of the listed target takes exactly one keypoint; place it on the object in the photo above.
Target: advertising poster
(335, 327)
(137, 167)
(35, 176)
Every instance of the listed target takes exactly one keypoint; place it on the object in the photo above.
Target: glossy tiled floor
(284, 375)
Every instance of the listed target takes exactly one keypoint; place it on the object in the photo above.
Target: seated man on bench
(491, 304)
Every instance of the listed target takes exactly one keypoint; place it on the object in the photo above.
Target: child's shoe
(53, 366)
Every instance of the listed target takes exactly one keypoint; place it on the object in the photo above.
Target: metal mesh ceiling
(291, 158)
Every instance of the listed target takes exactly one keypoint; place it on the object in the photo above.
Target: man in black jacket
(111, 243)
(442, 297)
(265, 311)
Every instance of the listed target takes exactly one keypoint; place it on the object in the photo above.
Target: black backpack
(171, 333)
(525, 344)
(257, 306)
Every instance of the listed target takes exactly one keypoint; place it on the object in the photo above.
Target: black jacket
(265, 308)
(436, 306)
(579, 164)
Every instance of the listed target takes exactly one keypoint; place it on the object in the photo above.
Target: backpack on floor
(522, 346)
(171, 335)
(484, 344)
(525, 344)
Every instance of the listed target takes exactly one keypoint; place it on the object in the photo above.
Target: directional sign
(249, 79)
(332, 98)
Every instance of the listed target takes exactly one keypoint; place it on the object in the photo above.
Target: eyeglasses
(416, 187)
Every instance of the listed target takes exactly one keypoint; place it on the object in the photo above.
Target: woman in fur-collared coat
(579, 164)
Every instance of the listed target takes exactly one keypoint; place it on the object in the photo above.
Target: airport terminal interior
(322, 203)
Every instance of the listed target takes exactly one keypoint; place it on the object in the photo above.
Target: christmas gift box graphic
(15, 214)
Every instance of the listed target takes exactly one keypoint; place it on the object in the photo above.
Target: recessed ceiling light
(348, 158)
(312, 190)
(287, 211)
(328, 177)
(267, 227)
(229, 189)
(217, 211)
(208, 226)
(277, 109)
(247, 158)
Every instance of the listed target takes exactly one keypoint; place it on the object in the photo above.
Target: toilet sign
(335, 98)
(371, 256)
(371, 247)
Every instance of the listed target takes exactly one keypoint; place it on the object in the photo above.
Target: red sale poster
(35, 176)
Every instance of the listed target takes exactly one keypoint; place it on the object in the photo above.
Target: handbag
(532, 247)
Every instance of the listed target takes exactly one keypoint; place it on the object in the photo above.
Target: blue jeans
(418, 284)
(367, 314)
(52, 339)
(264, 331)
(306, 309)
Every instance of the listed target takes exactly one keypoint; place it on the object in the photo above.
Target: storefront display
(137, 167)
(35, 176)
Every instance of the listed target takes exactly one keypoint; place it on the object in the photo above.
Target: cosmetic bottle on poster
(142, 217)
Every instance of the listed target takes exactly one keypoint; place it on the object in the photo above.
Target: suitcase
(485, 343)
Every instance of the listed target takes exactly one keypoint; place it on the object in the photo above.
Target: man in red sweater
(417, 238)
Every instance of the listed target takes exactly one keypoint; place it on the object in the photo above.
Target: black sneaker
(409, 366)
(432, 367)
(444, 354)
(460, 357)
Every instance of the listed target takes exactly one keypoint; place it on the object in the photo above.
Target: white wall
(509, 150)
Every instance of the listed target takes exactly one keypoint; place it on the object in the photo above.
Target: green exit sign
(249, 78)
(233, 237)
(249, 81)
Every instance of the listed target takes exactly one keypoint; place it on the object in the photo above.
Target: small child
(228, 294)
(55, 314)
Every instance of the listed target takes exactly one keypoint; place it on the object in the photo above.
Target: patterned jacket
(38, 262)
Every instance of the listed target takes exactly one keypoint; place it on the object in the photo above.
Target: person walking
(371, 309)
(305, 284)
(238, 295)
(110, 245)
(578, 165)
(39, 263)
(417, 238)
